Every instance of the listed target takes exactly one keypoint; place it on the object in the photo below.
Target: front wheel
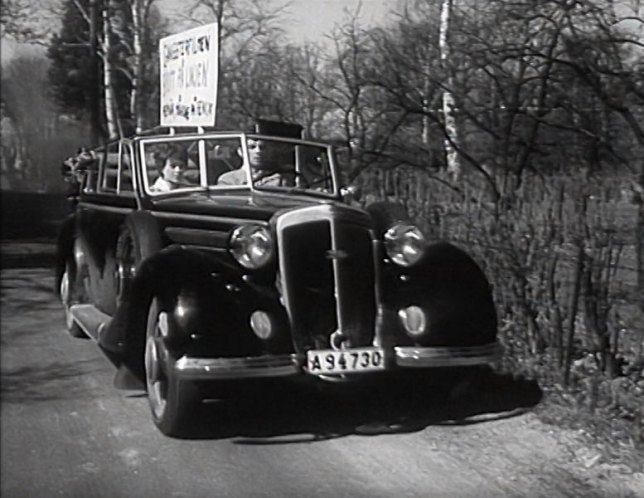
(173, 402)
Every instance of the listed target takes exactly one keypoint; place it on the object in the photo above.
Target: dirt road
(67, 432)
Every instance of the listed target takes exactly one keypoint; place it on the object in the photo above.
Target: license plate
(329, 361)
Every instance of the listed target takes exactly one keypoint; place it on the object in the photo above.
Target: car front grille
(327, 275)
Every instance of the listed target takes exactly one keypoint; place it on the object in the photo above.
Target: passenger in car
(172, 173)
(264, 165)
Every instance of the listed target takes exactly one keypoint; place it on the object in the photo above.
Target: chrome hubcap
(156, 357)
(64, 297)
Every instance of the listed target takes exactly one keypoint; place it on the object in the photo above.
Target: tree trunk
(94, 96)
(449, 111)
(111, 116)
(136, 110)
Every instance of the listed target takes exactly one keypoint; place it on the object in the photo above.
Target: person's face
(174, 170)
(259, 153)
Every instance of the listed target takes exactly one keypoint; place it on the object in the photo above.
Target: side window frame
(90, 179)
(125, 170)
(107, 163)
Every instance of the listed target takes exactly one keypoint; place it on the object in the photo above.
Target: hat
(278, 128)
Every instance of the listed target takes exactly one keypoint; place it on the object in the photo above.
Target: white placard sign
(188, 67)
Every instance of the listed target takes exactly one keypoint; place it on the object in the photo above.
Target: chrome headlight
(251, 245)
(405, 244)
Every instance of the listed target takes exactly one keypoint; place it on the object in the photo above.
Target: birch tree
(449, 107)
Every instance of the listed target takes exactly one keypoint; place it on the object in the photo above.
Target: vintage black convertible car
(247, 259)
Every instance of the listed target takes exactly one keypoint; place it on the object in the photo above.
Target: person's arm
(235, 177)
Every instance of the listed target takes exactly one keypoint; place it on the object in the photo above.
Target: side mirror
(351, 193)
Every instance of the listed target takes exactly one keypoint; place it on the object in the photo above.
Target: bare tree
(449, 111)
(28, 21)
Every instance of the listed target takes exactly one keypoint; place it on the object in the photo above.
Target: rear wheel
(173, 402)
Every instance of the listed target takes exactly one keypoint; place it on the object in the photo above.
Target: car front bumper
(418, 357)
(190, 368)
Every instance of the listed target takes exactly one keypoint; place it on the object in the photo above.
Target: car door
(103, 206)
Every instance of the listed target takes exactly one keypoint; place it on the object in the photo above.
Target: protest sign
(189, 73)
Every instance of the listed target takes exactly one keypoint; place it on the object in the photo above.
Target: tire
(173, 403)
(65, 297)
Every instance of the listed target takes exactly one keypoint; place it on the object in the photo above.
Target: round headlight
(251, 246)
(405, 244)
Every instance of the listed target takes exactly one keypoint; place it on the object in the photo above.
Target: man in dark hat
(172, 173)
(264, 157)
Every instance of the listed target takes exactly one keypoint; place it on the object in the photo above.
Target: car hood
(255, 205)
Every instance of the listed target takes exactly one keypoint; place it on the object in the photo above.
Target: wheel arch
(165, 275)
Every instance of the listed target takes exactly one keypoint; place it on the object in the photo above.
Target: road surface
(66, 431)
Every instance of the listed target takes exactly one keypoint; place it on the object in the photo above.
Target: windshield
(230, 162)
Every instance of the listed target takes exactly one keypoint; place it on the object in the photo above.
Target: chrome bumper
(447, 356)
(236, 368)
(288, 365)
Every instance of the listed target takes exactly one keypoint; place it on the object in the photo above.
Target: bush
(560, 254)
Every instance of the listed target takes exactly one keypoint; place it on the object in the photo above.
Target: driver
(264, 165)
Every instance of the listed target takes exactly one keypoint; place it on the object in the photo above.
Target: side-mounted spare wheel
(139, 238)
(174, 403)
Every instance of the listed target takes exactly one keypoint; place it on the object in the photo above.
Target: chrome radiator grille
(327, 274)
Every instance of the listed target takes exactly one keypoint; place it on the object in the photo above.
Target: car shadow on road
(52, 381)
(281, 414)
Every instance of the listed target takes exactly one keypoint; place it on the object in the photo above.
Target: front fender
(209, 302)
(452, 290)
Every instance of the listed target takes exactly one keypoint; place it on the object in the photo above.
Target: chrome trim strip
(218, 250)
(109, 209)
(236, 368)
(410, 356)
(326, 211)
(333, 222)
(206, 217)
(224, 135)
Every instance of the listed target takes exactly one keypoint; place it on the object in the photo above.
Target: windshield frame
(144, 142)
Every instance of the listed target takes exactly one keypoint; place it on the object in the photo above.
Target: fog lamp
(413, 319)
(262, 325)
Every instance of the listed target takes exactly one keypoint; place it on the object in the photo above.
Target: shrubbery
(560, 255)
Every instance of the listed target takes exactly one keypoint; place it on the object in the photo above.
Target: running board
(90, 319)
